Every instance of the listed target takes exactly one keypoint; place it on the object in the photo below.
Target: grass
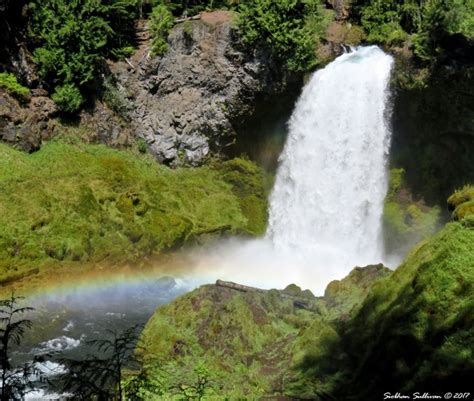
(86, 203)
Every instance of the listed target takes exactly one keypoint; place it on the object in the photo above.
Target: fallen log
(184, 19)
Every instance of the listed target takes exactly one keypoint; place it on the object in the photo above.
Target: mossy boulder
(342, 296)
(461, 203)
(244, 337)
(254, 343)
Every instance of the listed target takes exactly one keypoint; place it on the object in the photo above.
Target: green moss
(245, 338)
(406, 221)
(248, 184)
(461, 203)
(413, 331)
(10, 84)
(258, 344)
(86, 203)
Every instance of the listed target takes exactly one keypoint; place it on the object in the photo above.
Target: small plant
(142, 146)
(123, 52)
(102, 376)
(16, 381)
(161, 22)
(10, 84)
(115, 99)
(68, 98)
(196, 385)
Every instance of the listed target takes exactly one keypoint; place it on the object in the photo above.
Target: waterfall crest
(332, 180)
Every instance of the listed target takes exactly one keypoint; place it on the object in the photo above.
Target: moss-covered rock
(88, 202)
(406, 220)
(461, 203)
(413, 332)
(254, 343)
(342, 296)
(244, 338)
(250, 185)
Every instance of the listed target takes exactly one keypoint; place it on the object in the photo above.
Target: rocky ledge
(186, 104)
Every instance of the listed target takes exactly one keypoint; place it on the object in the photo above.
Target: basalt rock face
(14, 55)
(433, 134)
(27, 125)
(186, 104)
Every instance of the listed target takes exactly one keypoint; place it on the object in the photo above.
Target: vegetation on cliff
(291, 29)
(415, 331)
(9, 83)
(426, 24)
(89, 202)
(73, 37)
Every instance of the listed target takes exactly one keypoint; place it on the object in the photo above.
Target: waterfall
(330, 186)
(327, 202)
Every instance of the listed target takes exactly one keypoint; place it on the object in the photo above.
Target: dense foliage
(86, 203)
(73, 37)
(161, 21)
(427, 23)
(290, 28)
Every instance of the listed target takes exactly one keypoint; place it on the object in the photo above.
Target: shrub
(161, 21)
(68, 98)
(116, 99)
(72, 38)
(10, 84)
(427, 22)
(284, 26)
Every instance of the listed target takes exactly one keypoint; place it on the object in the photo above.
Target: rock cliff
(187, 103)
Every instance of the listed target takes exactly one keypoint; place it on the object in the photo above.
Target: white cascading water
(332, 180)
(326, 206)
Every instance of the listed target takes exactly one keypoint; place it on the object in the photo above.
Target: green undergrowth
(252, 343)
(89, 202)
(406, 220)
(243, 338)
(415, 330)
